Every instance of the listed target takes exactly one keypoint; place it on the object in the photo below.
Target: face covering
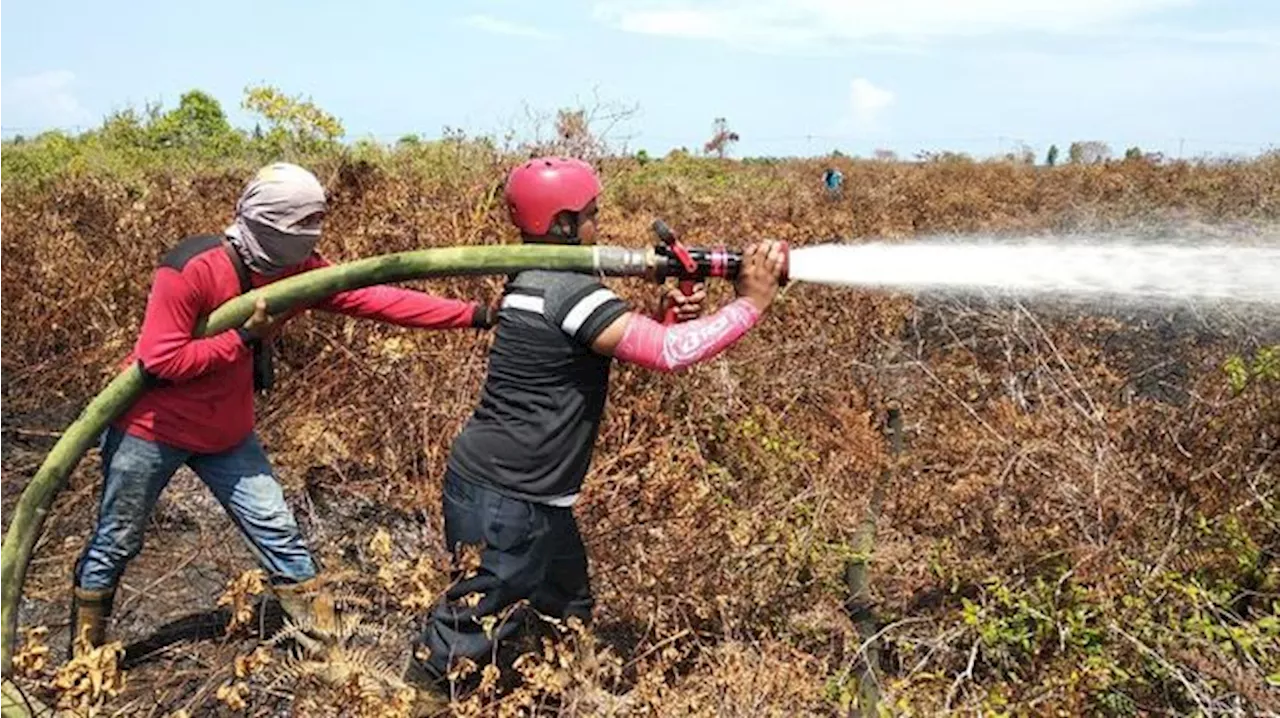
(265, 233)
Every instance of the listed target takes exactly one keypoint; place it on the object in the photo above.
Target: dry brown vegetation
(1083, 518)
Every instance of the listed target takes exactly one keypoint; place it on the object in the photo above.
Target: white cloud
(44, 100)
(1264, 37)
(868, 102)
(498, 26)
(814, 25)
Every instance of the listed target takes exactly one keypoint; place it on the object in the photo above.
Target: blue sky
(791, 76)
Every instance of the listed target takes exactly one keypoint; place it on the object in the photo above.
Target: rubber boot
(585, 660)
(430, 693)
(90, 611)
(428, 703)
(310, 607)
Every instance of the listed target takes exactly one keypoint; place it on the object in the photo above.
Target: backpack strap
(242, 272)
(264, 370)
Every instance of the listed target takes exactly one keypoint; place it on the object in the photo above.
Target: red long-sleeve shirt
(203, 401)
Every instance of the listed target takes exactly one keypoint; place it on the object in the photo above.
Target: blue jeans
(135, 471)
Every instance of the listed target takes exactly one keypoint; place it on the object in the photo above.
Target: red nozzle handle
(686, 288)
(669, 238)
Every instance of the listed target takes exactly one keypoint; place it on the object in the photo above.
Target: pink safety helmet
(541, 188)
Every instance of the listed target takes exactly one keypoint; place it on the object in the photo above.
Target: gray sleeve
(582, 307)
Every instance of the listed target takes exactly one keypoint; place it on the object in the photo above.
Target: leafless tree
(722, 138)
(588, 130)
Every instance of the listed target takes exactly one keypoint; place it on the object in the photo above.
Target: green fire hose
(32, 509)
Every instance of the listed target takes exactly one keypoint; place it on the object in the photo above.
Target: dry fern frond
(340, 663)
(253, 662)
(86, 681)
(32, 658)
(241, 595)
(232, 694)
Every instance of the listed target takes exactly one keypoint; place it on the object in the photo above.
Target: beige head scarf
(266, 233)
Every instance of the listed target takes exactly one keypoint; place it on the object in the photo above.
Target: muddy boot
(428, 702)
(591, 668)
(90, 611)
(310, 607)
(578, 633)
(430, 694)
(585, 660)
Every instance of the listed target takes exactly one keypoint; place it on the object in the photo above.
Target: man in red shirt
(198, 409)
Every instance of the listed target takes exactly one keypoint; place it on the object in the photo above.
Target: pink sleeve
(396, 305)
(166, 346)
(671, 348)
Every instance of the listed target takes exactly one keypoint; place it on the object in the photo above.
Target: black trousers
(530, 551)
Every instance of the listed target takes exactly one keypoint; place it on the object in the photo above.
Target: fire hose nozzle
(673, 260)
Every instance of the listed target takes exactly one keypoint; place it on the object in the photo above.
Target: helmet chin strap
(572, 235)
(565, 235)
(564, 230)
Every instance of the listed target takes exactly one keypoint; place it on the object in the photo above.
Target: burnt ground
(177, 649)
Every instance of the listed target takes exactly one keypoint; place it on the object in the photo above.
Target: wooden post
(857, 574)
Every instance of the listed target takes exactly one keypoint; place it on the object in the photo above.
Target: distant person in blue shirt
(834, 181)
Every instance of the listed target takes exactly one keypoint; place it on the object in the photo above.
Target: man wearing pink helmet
(517, 468)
